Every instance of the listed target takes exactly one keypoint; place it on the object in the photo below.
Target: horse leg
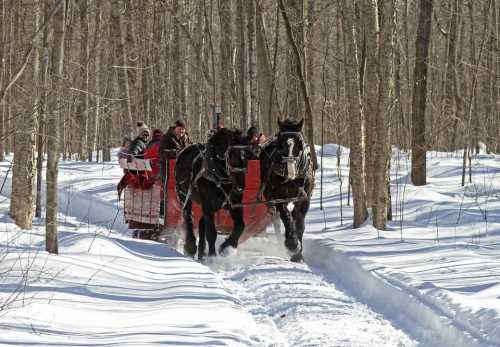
(291, 240)
(211, 232)
(202, 232)
(190, 241)
(239, 226)
(299, 215)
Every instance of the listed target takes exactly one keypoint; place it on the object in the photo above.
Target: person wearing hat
(175, 140)
(155, 139)
(254, 138)
(139, 144)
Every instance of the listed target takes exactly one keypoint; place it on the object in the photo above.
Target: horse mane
(290, 124)
(220, 136)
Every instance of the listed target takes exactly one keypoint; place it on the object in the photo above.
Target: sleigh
(143, 211)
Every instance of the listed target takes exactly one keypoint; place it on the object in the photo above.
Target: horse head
(292, 151)
(227, 154)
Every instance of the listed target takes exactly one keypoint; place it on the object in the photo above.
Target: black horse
(287, 175)
(213, 175)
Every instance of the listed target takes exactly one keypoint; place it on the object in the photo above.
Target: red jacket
(153, 154)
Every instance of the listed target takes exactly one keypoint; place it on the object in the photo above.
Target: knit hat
(142, 128)
(252, 132)
(180, 123)
(157, 134)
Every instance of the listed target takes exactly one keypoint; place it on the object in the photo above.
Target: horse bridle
(229, 167)
(296, 164)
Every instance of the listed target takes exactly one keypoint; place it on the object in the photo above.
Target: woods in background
(417, 74)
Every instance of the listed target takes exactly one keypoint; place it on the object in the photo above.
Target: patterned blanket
(143, 205)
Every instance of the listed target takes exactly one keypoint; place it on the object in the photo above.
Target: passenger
(139, 144)
(152, 152)
(136, 150)
(172, 142)
(155, 138)
(175, 140)
(254, 140)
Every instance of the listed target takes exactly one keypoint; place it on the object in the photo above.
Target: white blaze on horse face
(291, 144)
(290, 164)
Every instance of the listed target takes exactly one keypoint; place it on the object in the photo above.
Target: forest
(76, 76)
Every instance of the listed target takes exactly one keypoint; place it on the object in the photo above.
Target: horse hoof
(297, 258)
(292, 244)
(190, 249)
(227, 250)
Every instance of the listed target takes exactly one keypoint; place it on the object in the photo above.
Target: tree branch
(27, 55)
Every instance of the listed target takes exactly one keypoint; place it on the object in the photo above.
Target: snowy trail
(291, 305)
(295, 306)
(337, 298)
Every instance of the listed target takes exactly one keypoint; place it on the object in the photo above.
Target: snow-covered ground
(432, 279)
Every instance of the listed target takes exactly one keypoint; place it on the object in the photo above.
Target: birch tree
(355, 110)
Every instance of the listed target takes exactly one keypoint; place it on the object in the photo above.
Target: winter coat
(137, 147)
(171, 144)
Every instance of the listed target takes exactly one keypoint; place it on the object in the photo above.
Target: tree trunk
(419, 147)
(309, 121)
(226, 60)
(3, 73)
(120, 59)
(242, 65)
(94, 115)
(41, 133)
(357, 138)
(381, 185)
(252, 67)
(83, 106)
(451, 102)
(23, 169)
(53, 119)
(371, 82)
(265, 76)
(497, 72)
(176, 62)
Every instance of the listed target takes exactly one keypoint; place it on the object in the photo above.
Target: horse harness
(301, 164)
(212, 173)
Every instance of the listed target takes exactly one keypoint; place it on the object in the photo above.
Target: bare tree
(83, 105)
(252, 68)
(120, 59)
(242, 64)
(23, 170)
(419, 146)
(382, 156)
(357, 136)
(370, 82)
(226, 59)
(309, 119)
(53, 119)
(265, 76)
